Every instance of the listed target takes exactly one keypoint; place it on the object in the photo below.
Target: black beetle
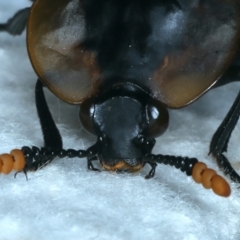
(125, 63)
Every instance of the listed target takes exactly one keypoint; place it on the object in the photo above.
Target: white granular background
(66, 201)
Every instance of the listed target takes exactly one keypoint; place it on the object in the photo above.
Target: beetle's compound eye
(158, 118)
(86, 115)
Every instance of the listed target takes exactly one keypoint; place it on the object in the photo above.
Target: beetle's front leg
(152, 171)
(33, 158)
(90, 164)
(16, 24)
(220, 139)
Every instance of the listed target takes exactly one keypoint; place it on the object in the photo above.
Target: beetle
(125, 63)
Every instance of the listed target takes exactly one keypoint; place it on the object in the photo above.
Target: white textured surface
(66, 201)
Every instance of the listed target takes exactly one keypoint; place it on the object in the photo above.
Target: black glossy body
(126, 62)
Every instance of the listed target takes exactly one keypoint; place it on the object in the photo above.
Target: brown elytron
(55, 32)
(192, 49)
(203, 43)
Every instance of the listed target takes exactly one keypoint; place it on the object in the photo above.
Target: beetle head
(126, 126)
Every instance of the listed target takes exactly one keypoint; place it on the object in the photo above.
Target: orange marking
(165, 62)
(197, 171)
(18, 159)
(121, 165)
(207, 176)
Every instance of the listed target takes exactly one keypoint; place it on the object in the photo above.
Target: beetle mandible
(125, 63)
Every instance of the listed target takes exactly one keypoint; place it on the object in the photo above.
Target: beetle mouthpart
(210, 179)
(122, 166)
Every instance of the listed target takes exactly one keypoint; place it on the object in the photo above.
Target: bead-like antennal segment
(198, 170)
(13, 161)
(210, 179)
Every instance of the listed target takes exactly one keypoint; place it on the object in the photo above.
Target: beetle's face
(112, 156)
(126, 155)
(120, 121)
(126, 127)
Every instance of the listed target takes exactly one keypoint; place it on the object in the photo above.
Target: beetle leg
(3, 27)
(51, 135)
(152, 171)
(220, 139)
(34, 158)
(16, 24)
(23, 171)
(90, 164)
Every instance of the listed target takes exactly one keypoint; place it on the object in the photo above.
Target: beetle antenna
(198, 170)
(32, 159)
